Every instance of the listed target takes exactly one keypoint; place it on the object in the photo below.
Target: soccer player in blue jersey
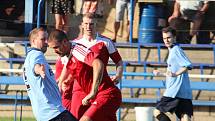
(40, 82)
(178, 95)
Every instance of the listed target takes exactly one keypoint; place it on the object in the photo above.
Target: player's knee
(85, 118)
(185, 117)
(160, 116)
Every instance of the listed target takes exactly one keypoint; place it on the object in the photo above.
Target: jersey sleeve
(91, 56)
(113, 52)
(115, 57)
(37, 58)
(108, 43)
(182, 59)
(111, 47)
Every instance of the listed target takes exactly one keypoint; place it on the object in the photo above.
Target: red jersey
(59, 67)
(95, 46)
(80, 66)
(105, 48)
(66, 96)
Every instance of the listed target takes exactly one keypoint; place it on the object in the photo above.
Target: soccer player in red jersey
(102, 97)
(90, 39)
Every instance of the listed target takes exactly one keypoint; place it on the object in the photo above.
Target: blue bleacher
(159, 46)
(17, 99)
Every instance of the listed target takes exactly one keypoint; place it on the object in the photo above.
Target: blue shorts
(178, 105)
(64, 116)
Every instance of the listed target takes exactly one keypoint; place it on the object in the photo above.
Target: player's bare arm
(169, 73)
(63, 77)
(119, 70)
(39, 69)
(98, 68)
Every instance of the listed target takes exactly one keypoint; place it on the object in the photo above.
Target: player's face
(168, 39)
(88, 26)
(59, 47)
(41, 41)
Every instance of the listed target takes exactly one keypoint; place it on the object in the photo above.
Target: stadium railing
(21, 61)
(145, 65)
(139, 62)
(125, 83)
(159, 84)
(159, 46)
(17, 97)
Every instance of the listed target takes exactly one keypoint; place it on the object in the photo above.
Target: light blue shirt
(44, 93)
(178, 86)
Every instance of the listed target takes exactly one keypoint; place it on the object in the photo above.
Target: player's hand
(171, 18)
(156, 72)
(60, 86)
(65, 85)
(86, 100)
(42, 71)
(116, 79)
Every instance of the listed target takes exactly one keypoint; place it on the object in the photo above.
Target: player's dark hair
(169, 29)
(57, 35)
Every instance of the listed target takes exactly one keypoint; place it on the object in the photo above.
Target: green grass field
(11, 119)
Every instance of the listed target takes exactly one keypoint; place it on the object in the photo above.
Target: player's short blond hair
(34, 33)
(90, 16)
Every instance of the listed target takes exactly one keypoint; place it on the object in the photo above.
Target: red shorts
(104, 107)
(77, 109)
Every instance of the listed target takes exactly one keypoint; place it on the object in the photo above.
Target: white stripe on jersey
(83, 52)
(80, 52)
(108, 43)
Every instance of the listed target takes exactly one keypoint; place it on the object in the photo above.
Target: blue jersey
(44, 93)
(178, 86)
